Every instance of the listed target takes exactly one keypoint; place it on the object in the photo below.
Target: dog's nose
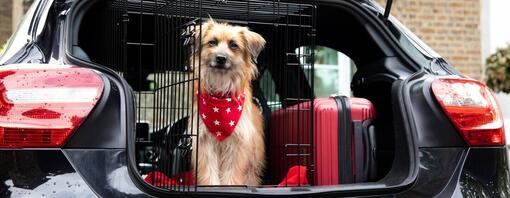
(221, 59)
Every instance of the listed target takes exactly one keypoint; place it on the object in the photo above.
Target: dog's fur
(238, 160)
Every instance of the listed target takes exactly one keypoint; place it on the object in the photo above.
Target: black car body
(428, 157)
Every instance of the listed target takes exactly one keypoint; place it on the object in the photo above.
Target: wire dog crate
(148, 43)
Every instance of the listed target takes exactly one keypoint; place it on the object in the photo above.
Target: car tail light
(41, 105)
(472, 108)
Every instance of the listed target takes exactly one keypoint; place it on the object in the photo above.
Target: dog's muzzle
(221, 59)
(220, 62)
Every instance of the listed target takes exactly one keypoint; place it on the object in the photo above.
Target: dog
(230, 148)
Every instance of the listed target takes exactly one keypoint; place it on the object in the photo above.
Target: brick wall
(450, 27)
(27, 4)
(6, 17)
(5, 20)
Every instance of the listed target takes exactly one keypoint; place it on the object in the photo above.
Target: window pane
(332, 74)
(269, 91)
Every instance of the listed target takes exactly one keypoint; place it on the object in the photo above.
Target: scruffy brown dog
(230, 145)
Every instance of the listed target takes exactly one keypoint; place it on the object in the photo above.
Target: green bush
(497, 73)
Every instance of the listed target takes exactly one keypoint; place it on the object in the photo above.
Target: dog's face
(227, 56)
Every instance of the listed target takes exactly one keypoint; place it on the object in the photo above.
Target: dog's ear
(196, 33)
(202, 31)
(211, 20)
(254, 43)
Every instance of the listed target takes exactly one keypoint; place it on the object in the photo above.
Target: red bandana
(220, 115)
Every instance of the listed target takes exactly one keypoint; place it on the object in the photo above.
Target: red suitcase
(343, 138)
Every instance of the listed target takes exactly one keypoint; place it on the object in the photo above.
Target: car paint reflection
(56, 186)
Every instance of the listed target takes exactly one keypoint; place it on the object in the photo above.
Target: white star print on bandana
(218, 114)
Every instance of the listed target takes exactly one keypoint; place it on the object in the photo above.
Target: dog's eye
(233, 45)
(213, 42)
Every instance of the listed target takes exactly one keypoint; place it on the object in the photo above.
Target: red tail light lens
(41, 105)
(472, 108)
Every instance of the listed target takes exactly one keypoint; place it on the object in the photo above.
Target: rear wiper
(387, 10)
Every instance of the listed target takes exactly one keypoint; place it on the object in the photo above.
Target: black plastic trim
(430, 119)
(105, 171)
(405, 145)
(439, 172)
(102, 128)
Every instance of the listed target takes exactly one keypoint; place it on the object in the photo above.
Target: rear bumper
(444, 172)
(39, 173)
(66, 173)
(462, 172)
(485, 174)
